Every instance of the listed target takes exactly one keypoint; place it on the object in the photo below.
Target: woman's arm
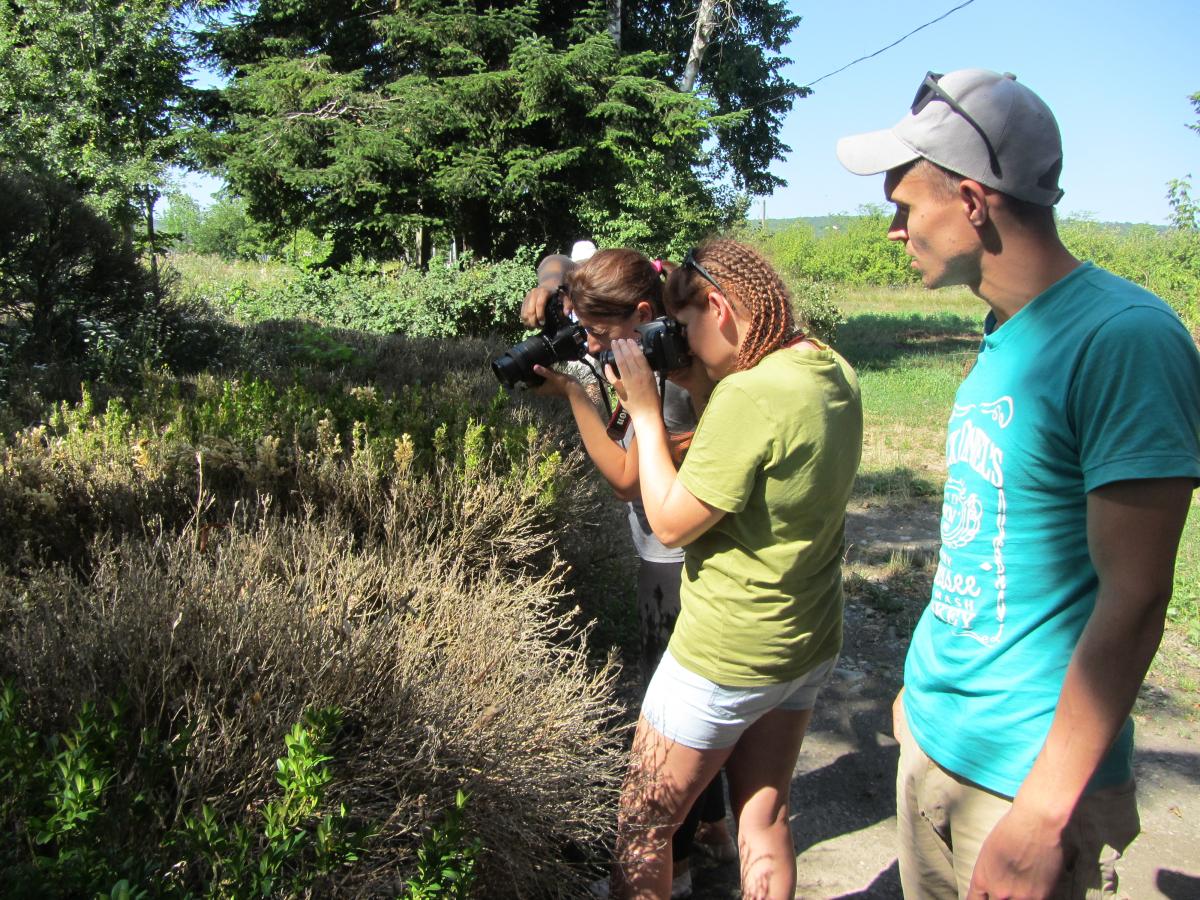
(675, 514)
(618, 466)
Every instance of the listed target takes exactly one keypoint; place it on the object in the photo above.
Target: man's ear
(974, 199)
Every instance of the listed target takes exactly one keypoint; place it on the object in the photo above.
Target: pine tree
(500, 124)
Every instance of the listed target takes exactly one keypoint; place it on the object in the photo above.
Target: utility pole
(763, 218)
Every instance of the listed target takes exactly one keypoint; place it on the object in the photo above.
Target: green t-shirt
(776, 449)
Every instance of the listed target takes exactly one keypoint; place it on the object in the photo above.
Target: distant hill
(821, 224)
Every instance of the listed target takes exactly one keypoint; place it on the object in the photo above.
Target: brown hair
(750, 284)
(611, 283)
(1028, 213)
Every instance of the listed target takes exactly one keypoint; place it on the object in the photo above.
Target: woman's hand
(636, 387)
(557, 384)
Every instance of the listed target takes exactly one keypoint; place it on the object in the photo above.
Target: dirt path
(843, 794)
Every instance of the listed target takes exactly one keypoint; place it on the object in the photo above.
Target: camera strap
(618, 424)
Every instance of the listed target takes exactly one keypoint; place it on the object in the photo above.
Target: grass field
(911, 349)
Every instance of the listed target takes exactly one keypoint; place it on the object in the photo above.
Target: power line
(855, 62)
(892, 44)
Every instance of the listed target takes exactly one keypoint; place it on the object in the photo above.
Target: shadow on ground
(873, 342)
(1177, 885)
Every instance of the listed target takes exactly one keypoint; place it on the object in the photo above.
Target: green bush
(469, 299)
(75, 302)
(224, 228)
(79, 830)
(816, 307)
(445, 859)
(853, 250)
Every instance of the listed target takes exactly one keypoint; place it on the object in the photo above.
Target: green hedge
(854, 250)
(471, 299)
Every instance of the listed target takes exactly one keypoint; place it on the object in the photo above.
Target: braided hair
(749, 284)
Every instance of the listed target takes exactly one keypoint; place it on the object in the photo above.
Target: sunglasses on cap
(930, 90)
(689, 262)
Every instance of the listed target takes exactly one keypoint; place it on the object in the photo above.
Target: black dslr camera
(664, 344)
(560, 340)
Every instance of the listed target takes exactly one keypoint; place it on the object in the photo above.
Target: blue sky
(1116, 74)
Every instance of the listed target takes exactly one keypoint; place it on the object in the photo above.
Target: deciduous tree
(93, 94)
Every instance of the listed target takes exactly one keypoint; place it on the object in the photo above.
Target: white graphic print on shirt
(969, 587)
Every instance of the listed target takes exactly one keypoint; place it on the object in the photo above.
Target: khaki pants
(943, 820)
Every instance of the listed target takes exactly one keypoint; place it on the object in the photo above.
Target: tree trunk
(478, 236)
(150, 198)
(424, 247)
(614, 21)
(706, 24)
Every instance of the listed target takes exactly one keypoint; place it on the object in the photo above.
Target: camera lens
(507, 371)
(515, 366)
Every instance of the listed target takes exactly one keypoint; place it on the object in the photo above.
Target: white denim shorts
(704, 715)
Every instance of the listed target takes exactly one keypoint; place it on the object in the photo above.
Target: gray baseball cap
(979, 124)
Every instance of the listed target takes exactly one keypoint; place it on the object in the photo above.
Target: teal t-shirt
(1093, 381)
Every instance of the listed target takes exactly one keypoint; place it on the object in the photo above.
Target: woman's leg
(712, 834)
(658, 608)
(760, 779)
(663, 782)
(712, 802)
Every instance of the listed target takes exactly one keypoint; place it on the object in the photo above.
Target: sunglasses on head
(689, 262)
(930, 90)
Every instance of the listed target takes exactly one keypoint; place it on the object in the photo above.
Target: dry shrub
(422, 595)
(451, 676)
(499, 493)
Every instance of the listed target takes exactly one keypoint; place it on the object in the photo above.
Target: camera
(560, 340)
(664, 344)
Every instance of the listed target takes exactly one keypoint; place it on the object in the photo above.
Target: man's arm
(1133, 534)
(551, 272)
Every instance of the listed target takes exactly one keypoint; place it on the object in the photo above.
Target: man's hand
(1021, 859)
(533, 308)
(552, 272)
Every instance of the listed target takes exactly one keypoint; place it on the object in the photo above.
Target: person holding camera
(759, 507)
(610, 294)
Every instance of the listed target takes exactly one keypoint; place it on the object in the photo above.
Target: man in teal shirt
(1072, 452)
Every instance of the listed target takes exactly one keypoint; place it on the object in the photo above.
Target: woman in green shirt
(759, 507)
(610, 295)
